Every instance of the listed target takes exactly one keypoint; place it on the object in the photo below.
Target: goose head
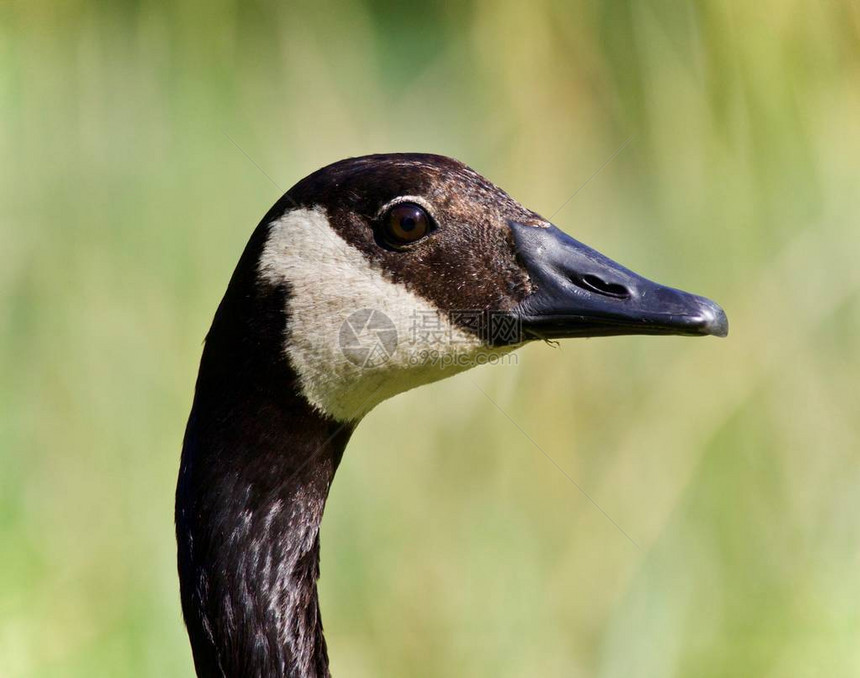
(402, 269)
(372, 276)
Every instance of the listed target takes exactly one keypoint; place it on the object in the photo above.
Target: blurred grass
(450, 544)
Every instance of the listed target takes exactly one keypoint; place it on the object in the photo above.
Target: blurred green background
(129, 135)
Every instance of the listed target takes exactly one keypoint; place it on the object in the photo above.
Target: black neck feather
(257, 464)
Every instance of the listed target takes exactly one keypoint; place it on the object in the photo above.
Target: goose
(317, 327)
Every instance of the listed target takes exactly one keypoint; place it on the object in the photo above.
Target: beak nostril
(592, 283)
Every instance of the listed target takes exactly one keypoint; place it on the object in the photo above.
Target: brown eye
(405, 224)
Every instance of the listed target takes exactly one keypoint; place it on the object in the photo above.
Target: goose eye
(404, 224)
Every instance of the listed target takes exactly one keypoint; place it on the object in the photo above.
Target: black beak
(581, 293)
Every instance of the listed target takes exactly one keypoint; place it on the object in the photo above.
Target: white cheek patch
(329, 280)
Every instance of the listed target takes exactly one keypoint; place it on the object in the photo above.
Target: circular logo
(368, 338)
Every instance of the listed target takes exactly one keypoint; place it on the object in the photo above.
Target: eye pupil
(404, 224)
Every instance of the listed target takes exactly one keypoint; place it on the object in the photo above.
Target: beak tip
(714, 320)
